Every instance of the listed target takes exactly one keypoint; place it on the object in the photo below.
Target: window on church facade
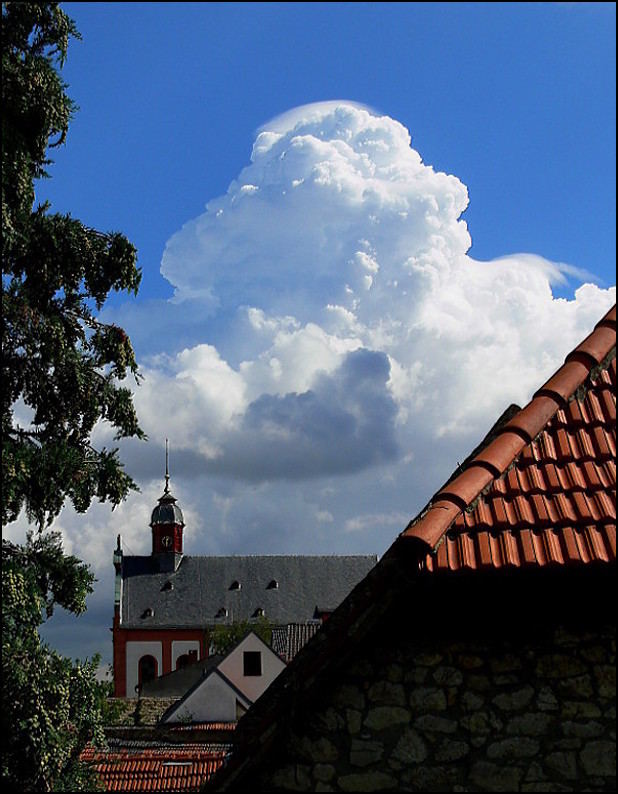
(147, 669)
(186, 659)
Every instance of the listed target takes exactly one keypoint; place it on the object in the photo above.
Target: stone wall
(137, 712)
(497, 708)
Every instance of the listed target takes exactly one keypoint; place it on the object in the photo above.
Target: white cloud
(338, 237)
(370, 521)
(332, 350)
(324, 517)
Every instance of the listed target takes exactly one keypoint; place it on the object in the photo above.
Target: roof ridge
(511, 437)
(268, 556)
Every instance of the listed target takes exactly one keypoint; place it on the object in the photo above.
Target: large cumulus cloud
(332, 349)
(334, 209)
(338, 237)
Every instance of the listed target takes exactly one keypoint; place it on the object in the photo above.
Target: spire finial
(167, 470)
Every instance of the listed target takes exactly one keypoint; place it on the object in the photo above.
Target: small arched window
(186, 659)
(183, 661)
(147, 669)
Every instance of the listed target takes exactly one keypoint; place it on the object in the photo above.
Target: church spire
(166, 490)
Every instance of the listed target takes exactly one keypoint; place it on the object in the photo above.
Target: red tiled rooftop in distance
(544, 490)
(182, 769)
(204, 726)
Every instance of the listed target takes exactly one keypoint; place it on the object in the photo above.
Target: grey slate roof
(196, 592)
(246, 701)
(176, 683)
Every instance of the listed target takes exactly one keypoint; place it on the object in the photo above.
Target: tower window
(252, 663)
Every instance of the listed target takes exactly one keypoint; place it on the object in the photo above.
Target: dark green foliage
(61, 367)
(51, 708)
(62, 372)
(224, 638)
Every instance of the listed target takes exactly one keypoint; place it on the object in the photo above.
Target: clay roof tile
(466, 486)
(566, 381)
(597, 345)
(433, 524)
(501, 452)
(533, 418)
(546, 472)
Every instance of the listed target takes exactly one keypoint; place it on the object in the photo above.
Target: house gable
(229, 687)
(213, 699)
(252, 685)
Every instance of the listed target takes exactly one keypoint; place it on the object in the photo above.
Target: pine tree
(62, 372)
(61, 367)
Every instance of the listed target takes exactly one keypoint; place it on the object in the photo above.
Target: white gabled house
(213, 699)
(230, 688)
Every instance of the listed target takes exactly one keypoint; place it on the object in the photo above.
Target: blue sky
(517, 100)
(331, 315)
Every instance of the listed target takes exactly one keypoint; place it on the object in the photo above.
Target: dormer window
(221, 613)
(235, 585)
(272, 585)
(148, 613)
(168, 585)
(259, 613)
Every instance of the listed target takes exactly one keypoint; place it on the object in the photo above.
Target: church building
(167, 603)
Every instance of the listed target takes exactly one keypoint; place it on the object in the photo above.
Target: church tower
(167, 525)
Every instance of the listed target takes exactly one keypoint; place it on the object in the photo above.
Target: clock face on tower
(166, 541)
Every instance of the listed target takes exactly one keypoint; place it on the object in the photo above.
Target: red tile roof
(539, 496)
(543, 491)
(204, 726)
(184, 769)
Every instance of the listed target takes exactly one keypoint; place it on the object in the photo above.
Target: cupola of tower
(167, 511)
(167, 523)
